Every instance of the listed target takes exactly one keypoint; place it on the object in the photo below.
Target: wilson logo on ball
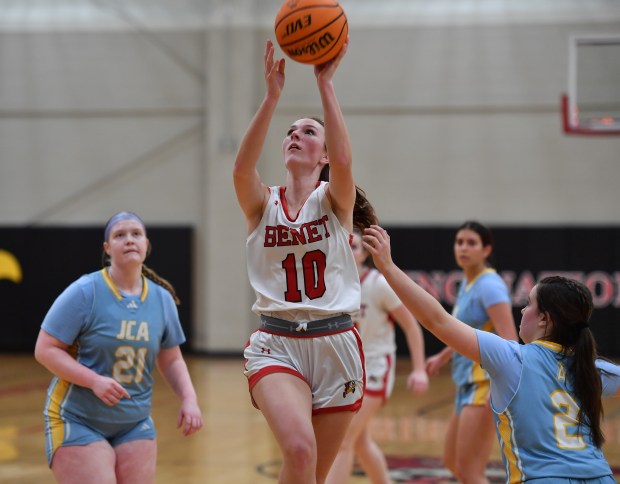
(311, 31)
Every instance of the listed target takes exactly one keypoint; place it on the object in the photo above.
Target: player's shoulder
(85, 282)
(491, 279)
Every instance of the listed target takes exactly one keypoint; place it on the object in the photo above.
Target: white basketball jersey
(302, 266)
(373, 319)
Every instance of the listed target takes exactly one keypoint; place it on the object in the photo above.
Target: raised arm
(251, 192)
(341, 183)
(427, 310)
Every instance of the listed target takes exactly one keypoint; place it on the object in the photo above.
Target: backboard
(592, 104)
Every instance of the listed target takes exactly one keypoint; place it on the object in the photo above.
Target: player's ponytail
(153, 276)
(568, 303)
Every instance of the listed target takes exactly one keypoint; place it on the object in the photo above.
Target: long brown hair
(569, 305)
(364, 214)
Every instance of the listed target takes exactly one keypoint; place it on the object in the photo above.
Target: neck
(472, 272)
(127, 280)
(299, 187)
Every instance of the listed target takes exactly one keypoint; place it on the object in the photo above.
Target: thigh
(449, 449)
(370, 406)
(286, 403)
(136, 461)
(78, 464)
(475, 436)
(329, 429)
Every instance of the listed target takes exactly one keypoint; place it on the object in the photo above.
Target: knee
(300, 454)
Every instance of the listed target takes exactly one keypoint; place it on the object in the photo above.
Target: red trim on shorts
(268, 370)
(375, 393)
(354, 407)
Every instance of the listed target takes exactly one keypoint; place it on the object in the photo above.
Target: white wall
(451, 116)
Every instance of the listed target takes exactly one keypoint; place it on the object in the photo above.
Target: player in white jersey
(483, 302)
(546, 394)
(380, 309)
(304, 364)
(101, 339)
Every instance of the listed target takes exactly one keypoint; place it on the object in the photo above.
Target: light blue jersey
(472, 302)
(536, 411)
(116, 336)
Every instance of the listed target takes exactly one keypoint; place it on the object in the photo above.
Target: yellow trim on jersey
(145, 289)
(510, 451)
(110, 283)
(485, 271)
(548, 344)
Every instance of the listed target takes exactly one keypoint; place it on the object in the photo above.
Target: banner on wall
(522, 256)
(37, 264)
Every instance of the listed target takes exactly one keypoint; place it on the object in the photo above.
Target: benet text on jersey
(307, 233)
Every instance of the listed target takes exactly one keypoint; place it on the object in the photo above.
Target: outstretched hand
(377, 242)
(274, 70)
(325, 71)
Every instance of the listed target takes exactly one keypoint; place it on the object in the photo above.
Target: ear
(545, 320)
(486, 250)
(106, 248)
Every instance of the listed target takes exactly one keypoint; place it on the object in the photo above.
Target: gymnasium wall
(37, 264)
(451, 117)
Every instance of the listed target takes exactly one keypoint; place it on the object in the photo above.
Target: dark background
(52, 258)
(521, 249)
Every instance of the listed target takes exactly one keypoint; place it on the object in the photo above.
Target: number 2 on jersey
(566, 418)
(313, 264)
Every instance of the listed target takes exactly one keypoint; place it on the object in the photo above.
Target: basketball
(311, 31)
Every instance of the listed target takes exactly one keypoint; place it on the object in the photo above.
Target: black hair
(486, 236)
(568, 305)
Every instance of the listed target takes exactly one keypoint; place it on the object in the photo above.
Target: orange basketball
(311, 31)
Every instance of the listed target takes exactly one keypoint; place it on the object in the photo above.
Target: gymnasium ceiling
(197, 14)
